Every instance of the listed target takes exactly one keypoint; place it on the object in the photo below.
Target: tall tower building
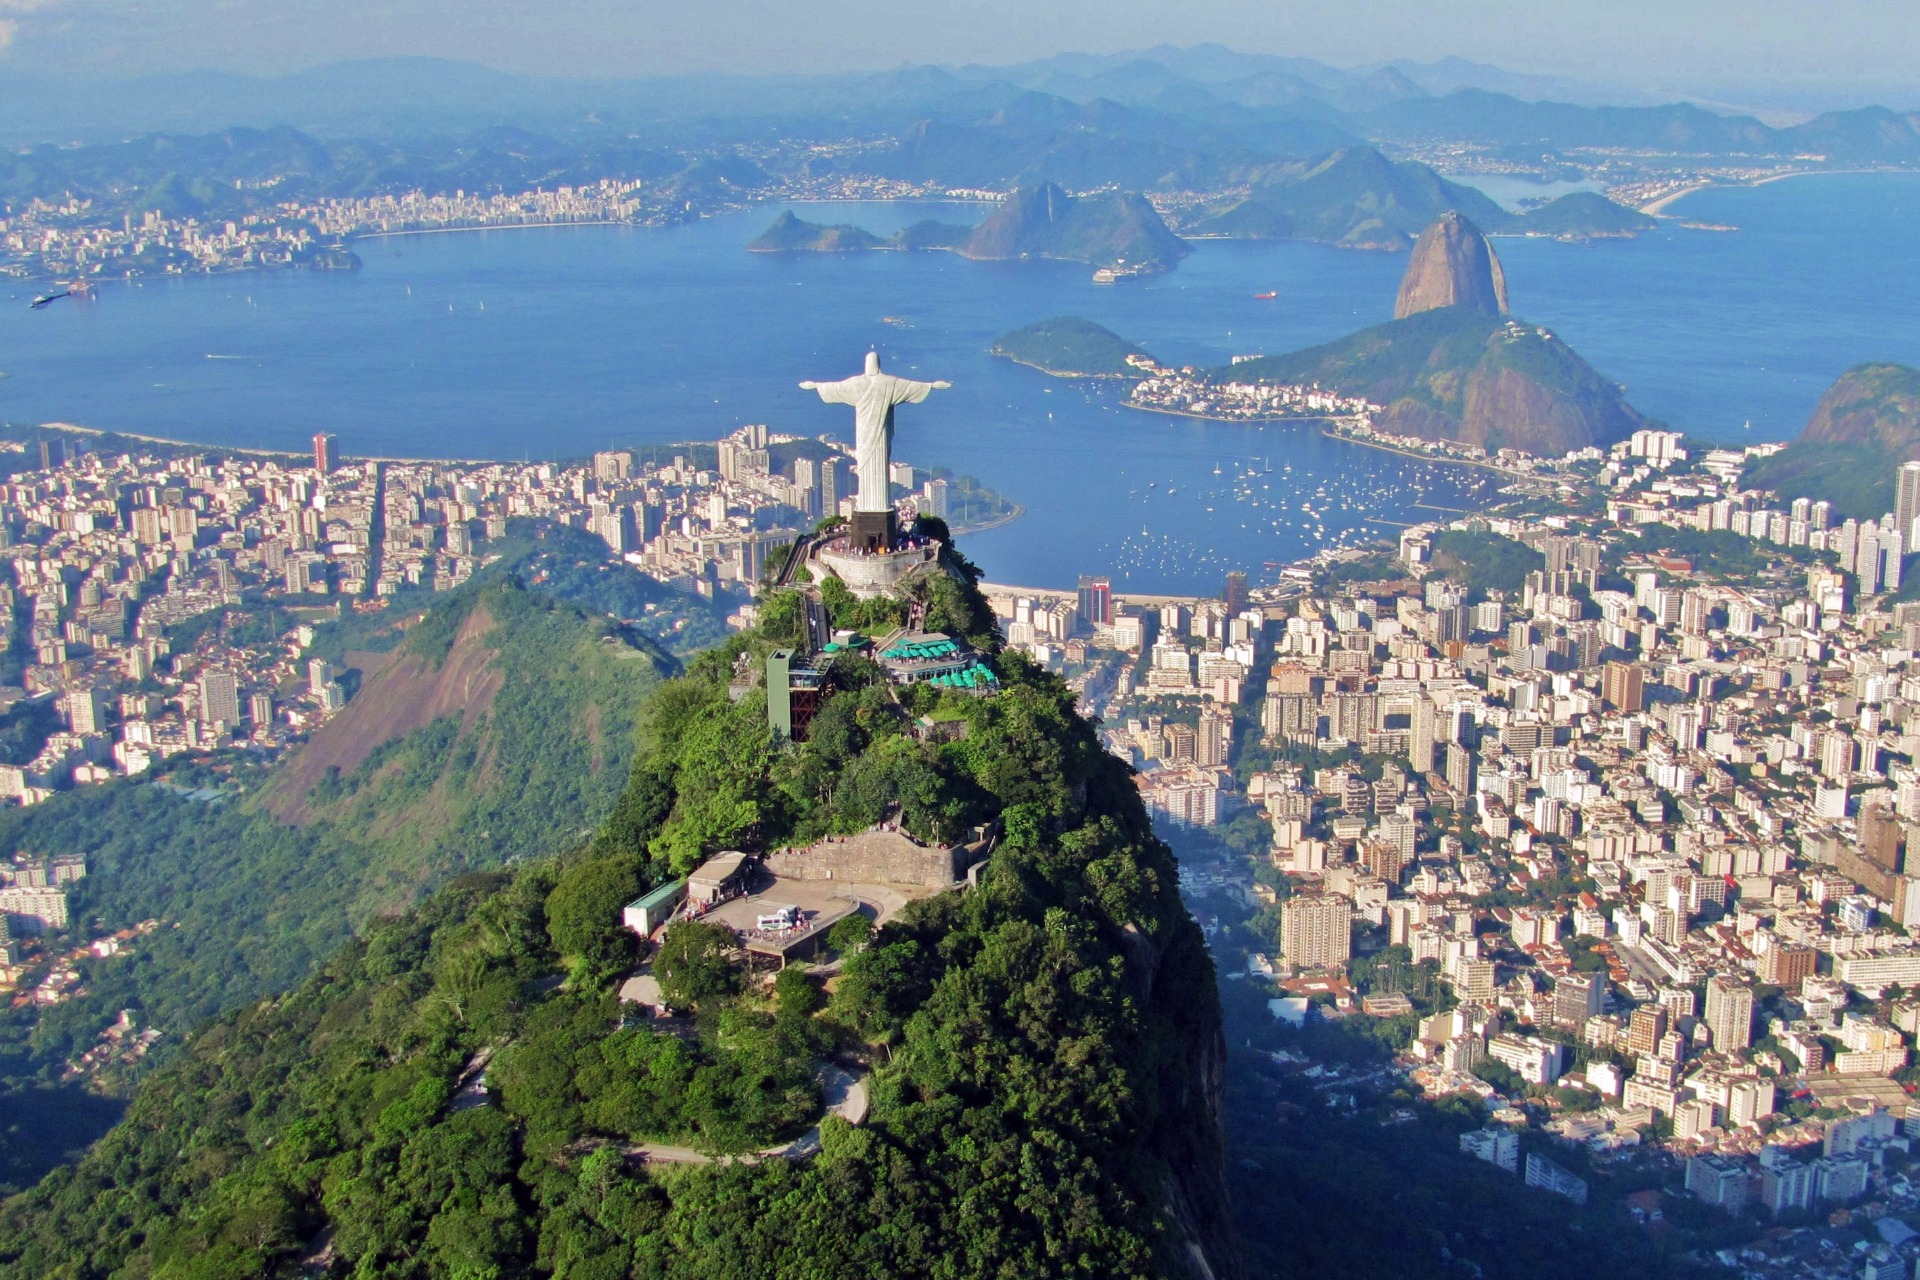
(1729, 1013)
(1906, 499)
(1316, 931)
(1096, 601)
(322, 452)
(1460, 769)
(1236, 593)
(1623, 686)
(1213, 740)
(832, 482)
(219, 698)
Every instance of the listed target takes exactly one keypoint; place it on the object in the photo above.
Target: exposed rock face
(1117, 230)
(1452, 266)
(1875, 405)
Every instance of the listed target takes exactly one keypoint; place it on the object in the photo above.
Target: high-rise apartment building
(833, 476)
(1460, 769)
(1213, 739)
(87, 710)
(1644, 1030)
(1236, 593)
(1577, 997)
(1906, 499)
(219, 698)
(322, 452)
(1096, 601)
(1316, 931)
(1729, 1013)
(1623, 686)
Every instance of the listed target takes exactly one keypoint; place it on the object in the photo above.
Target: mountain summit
(1452, 266)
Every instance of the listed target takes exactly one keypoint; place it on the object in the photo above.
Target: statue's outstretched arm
(832, 392)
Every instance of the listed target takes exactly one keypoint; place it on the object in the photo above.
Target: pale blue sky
(1698, 47)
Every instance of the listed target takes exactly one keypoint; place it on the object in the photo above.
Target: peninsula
(1451, 374)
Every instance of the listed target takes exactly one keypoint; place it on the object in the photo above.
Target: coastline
(1055, 373)
(1429, 457)
(1209, 417)
(1657, 208)
(997, 522)
(504, 226)
(76, 429)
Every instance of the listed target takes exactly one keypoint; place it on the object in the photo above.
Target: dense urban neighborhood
(1595, 809)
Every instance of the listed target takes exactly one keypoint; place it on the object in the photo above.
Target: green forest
(1038, 1045)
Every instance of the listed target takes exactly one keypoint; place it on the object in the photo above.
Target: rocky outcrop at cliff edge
(1872, 405)
(1452, 266)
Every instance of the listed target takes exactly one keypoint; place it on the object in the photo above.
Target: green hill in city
(1865, 425)
(1043, 1049)
(499, 729)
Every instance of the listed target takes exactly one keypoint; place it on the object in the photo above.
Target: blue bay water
(552, 343)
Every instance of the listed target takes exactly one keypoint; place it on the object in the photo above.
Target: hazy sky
(1695, 45)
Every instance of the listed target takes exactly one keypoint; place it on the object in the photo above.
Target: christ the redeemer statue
(873, 395)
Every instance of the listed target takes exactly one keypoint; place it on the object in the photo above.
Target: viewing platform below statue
(871, 573)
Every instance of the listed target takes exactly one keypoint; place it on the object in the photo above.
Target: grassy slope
(250, 904)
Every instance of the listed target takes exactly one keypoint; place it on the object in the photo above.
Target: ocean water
(556, 342)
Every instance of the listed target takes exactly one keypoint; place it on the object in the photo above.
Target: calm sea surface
(551, 343)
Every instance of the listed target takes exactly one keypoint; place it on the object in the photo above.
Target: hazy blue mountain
(1355, 197)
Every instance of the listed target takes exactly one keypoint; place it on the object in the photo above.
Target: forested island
(1070, 347)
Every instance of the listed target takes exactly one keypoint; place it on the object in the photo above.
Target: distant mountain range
(1218, 101)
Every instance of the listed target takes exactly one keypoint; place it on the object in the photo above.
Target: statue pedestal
(868, 574)
(874, 531)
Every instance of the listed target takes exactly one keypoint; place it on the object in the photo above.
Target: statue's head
(873, 362)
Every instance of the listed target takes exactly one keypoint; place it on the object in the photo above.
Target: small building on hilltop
(654, 908)
(935, 658)
(722, 877)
